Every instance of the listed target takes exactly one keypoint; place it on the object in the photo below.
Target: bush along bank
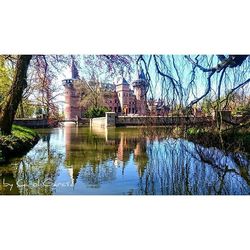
(234, 141)
(18, 143)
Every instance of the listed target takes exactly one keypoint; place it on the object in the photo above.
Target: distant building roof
(159, 104)
(107, 86)
(141, 78)
(121, 80)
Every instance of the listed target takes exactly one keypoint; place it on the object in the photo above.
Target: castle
(121, 97)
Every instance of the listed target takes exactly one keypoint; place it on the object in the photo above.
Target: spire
(121, 80)
(140, 78)
(141, 75)
(74, 70)
(124, 81)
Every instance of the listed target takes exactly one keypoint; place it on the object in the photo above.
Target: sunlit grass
(20, 140)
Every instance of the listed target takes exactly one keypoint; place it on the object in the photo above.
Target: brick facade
(121, 97)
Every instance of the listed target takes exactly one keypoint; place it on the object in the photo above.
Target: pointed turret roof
(121, 80)
(140, 74)
(74, 70)
(74, 75)
(140, 78)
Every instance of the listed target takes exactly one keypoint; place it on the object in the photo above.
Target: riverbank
(229, 140)
(19, 142)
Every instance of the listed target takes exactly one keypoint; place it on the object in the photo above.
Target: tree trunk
(21, 109)
(15, 95)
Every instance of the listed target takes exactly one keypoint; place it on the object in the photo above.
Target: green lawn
(20, 140)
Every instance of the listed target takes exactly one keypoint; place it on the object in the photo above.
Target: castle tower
(140, 89)
(122, 89)
(72, 98)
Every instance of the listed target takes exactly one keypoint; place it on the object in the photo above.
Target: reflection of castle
(121, 97)
(85, 150)
(136, 146)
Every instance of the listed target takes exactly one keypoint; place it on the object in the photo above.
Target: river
(123, 161)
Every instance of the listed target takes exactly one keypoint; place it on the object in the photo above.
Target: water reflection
(74, 160)
(181, 167)
(35, 173)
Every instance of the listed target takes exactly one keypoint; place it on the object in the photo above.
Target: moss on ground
(20, 141)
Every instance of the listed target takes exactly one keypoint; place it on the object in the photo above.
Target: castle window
(119, 109)
(115, 109)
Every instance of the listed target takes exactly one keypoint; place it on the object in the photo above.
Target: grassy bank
(19, 142)
(234, 141)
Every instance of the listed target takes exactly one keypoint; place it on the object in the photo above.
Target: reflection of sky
(180, 155)
(162, 166)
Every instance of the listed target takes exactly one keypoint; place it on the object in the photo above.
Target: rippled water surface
(72, 160)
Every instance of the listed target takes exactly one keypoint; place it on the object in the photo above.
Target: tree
(48, 66)
(92, 94)
(15, 95)
(187, 80)
(6, 76)
(96, 112)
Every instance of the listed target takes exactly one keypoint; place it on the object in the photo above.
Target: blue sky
(184, 70)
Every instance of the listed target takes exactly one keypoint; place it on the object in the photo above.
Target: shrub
(96, 112)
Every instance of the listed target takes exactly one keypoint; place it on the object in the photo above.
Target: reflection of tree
(165, 166)
(244, 167)
(96, 172)
(93, 155)
(225, 164)
(8, 181)
(180, 167)
(140, 155)
(86, 149)
(34, 173)
(94, 176)
(37, 172)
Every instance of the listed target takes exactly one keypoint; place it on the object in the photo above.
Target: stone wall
(84, 121)
(98, 122)
(159, 120)
(108, 121)
(32, 123)
(111, 120)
